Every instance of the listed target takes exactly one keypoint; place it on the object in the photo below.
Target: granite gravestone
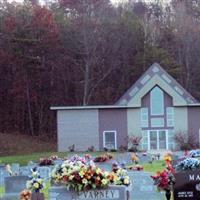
(187, 185)
(111, 193)
(25, 171)
(44, 172)
(123, 158)
(143, 187)
(1, 178)
(13, 186)
(15, 168)
(3, 174)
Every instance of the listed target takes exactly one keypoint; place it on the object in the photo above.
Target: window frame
(144, 123)
(168, 119)
(104, 138)
(162, 101)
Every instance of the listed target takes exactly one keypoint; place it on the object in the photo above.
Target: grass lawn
(1, 189)
(24, 159)
(157, 165)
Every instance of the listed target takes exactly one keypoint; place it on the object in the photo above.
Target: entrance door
(158, 139)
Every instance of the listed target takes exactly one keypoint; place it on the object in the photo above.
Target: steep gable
(156, 75)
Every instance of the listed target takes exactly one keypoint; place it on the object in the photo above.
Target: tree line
(88, 52)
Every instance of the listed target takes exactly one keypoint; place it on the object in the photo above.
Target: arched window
(157, 101)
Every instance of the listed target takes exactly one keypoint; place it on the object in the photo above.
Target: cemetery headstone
(15, 168)
(58, 162)
(37, 196)
(14, 184)
(187, 185)
(3, 174)
(112, 192)
(143, 187)
(2, 166)
(44, 172)
(1, 178)
(25, 171)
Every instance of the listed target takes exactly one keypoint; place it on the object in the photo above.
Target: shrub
(91, 148)
(185, 141)
(134, 142)
(113, 150)
(123, 148)
(72, 148)
(105, 149)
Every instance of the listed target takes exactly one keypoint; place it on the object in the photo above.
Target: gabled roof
(156, 75)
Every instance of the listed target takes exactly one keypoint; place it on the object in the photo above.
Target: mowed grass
(24, 159)
(157, 165)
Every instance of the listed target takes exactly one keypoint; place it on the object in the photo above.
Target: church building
(156, 107)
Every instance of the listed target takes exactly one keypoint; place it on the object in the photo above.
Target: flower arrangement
(168, 158)
(134, 158)
(103, 157)
(76, 158)
(136, 167)
(78, 175)
(120, 177)
(54, 157)
(36, 182)
(25, 194)
(164, 180)
(194, 153)
(9, 169)
(87, 156)
(45, 161)
(188, 164)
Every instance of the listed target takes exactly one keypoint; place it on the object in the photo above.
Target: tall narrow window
(170, 116)
(144, 117)
(157, 101)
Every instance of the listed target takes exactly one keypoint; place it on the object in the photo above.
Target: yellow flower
(40, 181)
(36, 185)
(98, 170)
(81, 173)
(126, 181)
(168, 157)
(104, 181)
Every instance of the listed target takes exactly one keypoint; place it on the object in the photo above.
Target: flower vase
(37, 196)
(168, 194)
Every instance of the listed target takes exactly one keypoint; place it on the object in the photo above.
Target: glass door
(158, 139)
(162, 140)
(153, 140)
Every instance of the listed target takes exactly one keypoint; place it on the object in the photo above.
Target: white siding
(79, 127)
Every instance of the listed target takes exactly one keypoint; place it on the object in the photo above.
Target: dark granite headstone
(187, 186)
